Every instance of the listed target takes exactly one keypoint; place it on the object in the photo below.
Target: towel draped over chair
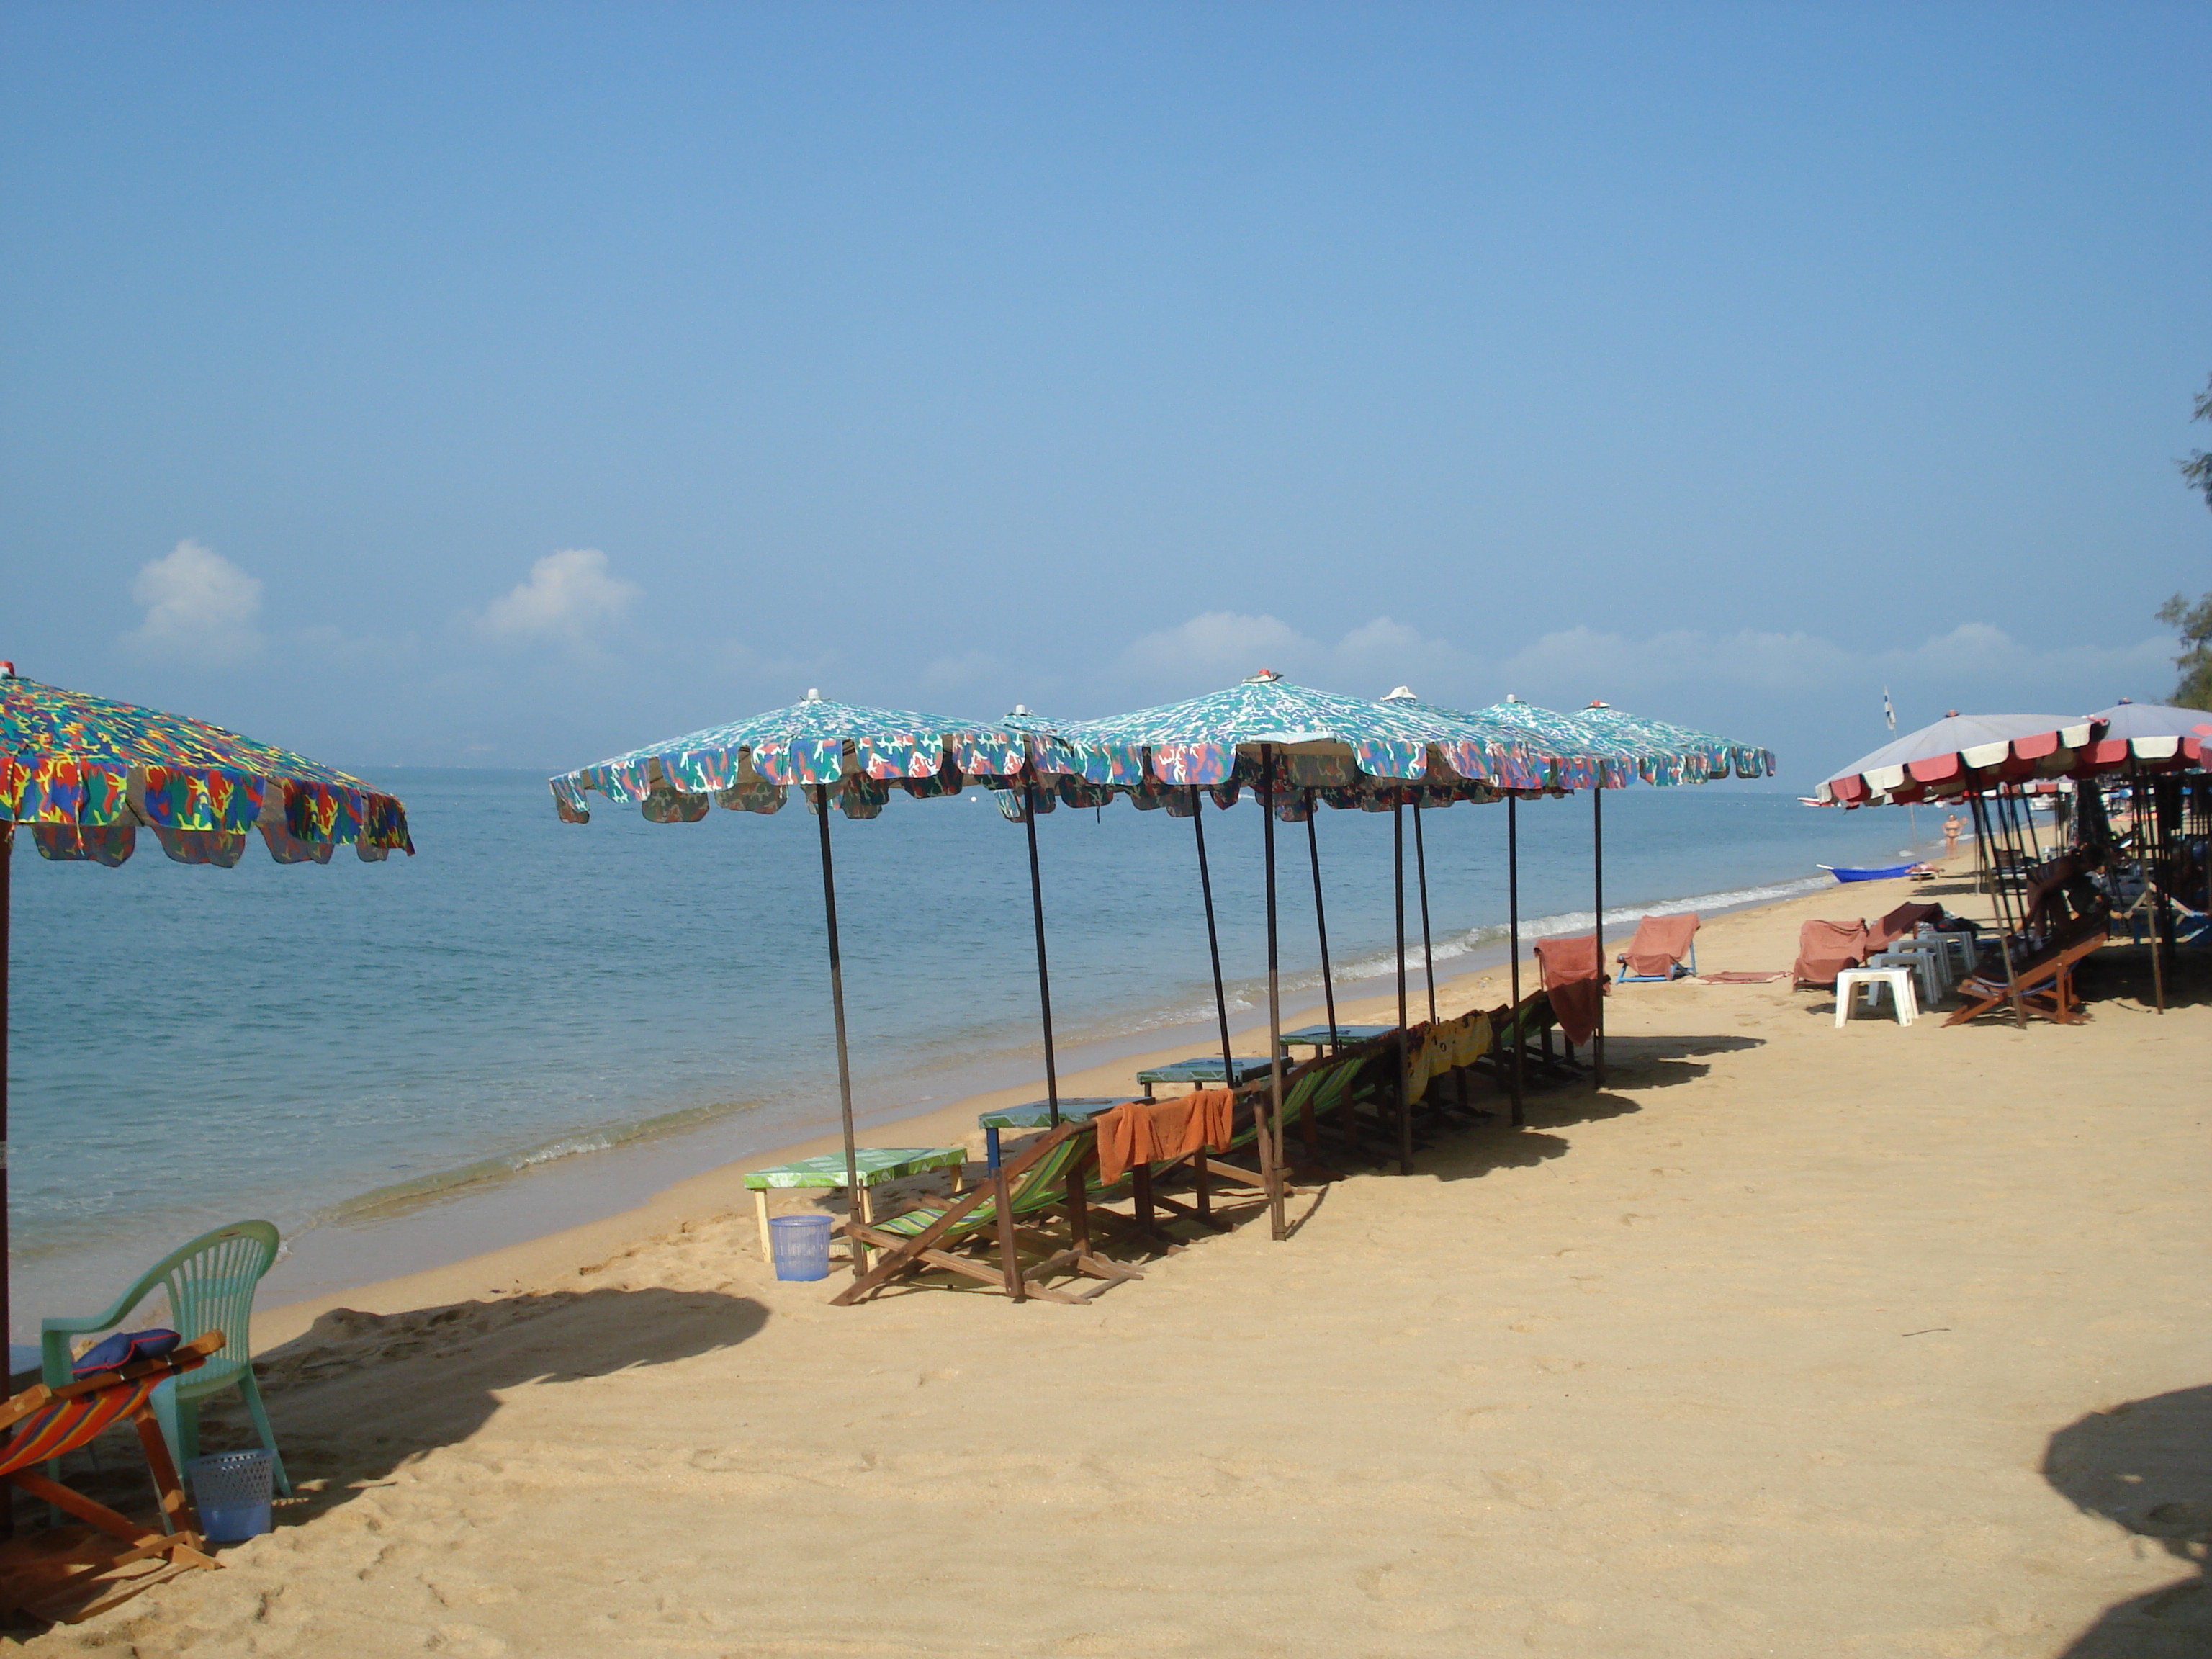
(1570, 968)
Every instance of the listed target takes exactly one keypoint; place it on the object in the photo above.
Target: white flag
(1887, 713)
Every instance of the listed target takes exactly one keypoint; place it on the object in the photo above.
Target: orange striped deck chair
(45, 1574)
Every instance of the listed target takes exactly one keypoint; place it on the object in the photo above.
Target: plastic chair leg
(250, 1391)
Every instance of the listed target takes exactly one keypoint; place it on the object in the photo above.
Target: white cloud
(950, 673)
(1215, 648)
(567, 595)
(199, 607)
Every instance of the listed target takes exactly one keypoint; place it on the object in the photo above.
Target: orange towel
(1825, 949)
(1660, 942)
(1160, 1131)
(1571, 978)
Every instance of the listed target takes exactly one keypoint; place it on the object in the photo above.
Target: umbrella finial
(1021, 708)
(814, 695)
(10, 667)
(1950, 713)
(1265, 677)
(1511, 696)
(7, 672)
(1403, 694)
(1596, 702)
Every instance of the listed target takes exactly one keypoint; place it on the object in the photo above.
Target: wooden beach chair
(1048, 1175)
(2045, 983)
(48, 1574)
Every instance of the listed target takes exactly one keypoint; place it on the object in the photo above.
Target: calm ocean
(533, 1024)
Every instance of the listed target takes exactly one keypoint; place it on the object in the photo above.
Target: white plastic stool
(1926, 960)
(1852, 980)
(1962, 949)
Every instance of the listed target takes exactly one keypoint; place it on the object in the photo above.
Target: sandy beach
(1789, 1341)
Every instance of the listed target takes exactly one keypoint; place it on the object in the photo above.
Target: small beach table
(1317, 1037)
(876, 1165)
(1037, 1115)
(1204, 1070)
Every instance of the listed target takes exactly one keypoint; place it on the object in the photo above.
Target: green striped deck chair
(1047, 1176)
(47, 1421)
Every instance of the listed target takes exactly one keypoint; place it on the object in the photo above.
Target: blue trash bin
(800, 1244)
(231, 1490)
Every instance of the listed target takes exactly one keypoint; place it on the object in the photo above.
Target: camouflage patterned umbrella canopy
(81, 775)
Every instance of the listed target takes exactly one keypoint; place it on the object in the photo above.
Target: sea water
(531, 1023)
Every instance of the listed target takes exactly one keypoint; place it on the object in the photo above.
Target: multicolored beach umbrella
(1693, 756)
(841, 751)
(1585, 756)
(82, 774)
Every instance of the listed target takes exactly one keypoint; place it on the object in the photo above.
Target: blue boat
(1887, 872)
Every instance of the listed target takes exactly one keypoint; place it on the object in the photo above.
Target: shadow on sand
(2147, 1466)
(361, 1394)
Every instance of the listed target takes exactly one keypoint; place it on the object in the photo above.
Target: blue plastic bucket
(231, 1490)
(800, 1244)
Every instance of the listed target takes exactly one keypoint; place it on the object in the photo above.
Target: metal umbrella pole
(1275, 1133)
(7, 901)
(1597, 901)
(1421, 878)
(2145, 853)
(1044, 978)
(1321, 920)
(837, 1006)
(1212, 939)
(1513, 945)
(1398, 875)
(1979, 808)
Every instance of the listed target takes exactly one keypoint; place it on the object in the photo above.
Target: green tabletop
(1038, 1113)
(877, 1164)
(1318, 1035)
(1207, 1069)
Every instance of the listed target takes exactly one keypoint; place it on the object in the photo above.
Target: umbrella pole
(1597, 904)
(2150, 899)
(1212, 939)
(1513, 946)
(1398, 875)
(2004, 909)
(1421, 880)
(7, 1310)
(1044, 979)
(838, 1007)
(1274, 1135)
(1320, 919)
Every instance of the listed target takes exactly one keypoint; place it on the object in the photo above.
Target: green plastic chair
(211, 1283)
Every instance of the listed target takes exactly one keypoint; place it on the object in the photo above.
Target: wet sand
(1789, 1341)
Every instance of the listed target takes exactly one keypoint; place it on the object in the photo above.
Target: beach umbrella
(1962, 753)
(1702, 756)
(1290, 743)
(837, 752)
(80, 775)
(1586, 756)
(2149, 733)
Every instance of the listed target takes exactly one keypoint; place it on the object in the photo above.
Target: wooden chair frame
(41, 1581)
(2044, 988)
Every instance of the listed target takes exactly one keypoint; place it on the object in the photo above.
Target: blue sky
(509, 385)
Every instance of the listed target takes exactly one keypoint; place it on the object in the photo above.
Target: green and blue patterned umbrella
(1703, 755)
(1318, 740)
(846, 751)
(1585, 756)
(81, 775)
